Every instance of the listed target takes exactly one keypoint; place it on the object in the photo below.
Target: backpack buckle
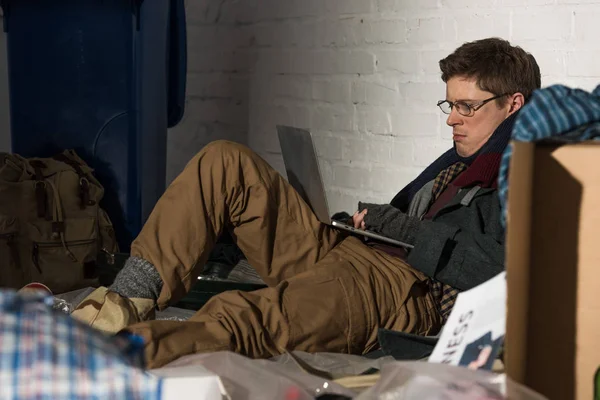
(110, 257)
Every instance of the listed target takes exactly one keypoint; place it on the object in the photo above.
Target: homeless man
(328, 291)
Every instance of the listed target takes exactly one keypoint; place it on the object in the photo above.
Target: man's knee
(215, 150)
(222, 147)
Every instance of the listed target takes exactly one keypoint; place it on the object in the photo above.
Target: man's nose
(454, 117)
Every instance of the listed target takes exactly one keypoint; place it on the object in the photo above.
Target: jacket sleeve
(460, 258)
(389, 221)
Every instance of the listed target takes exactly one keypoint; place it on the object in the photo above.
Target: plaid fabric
(558, 113)
(444, 295)
(444, 178)
(45, 354)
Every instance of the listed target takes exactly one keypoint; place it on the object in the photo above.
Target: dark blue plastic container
(107, 78)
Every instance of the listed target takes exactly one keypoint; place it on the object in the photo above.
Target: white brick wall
(362, 74)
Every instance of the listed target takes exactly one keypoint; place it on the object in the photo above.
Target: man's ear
(515, 102)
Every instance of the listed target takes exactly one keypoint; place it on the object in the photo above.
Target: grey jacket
(462, 245)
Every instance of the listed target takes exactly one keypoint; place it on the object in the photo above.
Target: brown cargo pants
(327, 292)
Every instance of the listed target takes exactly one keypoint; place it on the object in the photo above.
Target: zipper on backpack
(35, 253)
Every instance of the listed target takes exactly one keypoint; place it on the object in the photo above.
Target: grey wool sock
(138, 278)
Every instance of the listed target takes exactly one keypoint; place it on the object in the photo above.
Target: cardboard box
(553, 268)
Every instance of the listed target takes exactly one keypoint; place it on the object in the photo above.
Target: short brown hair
(497, 66)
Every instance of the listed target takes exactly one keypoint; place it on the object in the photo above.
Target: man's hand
(358, 219)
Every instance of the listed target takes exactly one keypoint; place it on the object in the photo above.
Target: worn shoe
(110, 312)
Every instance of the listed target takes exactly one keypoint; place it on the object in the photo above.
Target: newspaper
(474, 333)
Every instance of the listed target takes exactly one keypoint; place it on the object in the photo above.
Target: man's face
(471, 133)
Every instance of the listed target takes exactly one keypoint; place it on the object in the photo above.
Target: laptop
(304, 174)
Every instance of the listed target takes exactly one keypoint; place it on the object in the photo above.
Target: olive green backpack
(52, 229)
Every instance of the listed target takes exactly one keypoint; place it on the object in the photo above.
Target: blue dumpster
(106, 78)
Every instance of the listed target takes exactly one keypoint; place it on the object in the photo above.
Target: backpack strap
(84, 183)
(40, 188)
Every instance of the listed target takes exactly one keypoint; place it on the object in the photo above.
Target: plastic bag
(247, 379)
(332, 365)
(424, 381)
(174, 314)
(67, 302)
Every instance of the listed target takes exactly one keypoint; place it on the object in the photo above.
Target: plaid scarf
(443, 294)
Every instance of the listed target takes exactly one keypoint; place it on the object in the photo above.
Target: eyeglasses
(464, 108)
